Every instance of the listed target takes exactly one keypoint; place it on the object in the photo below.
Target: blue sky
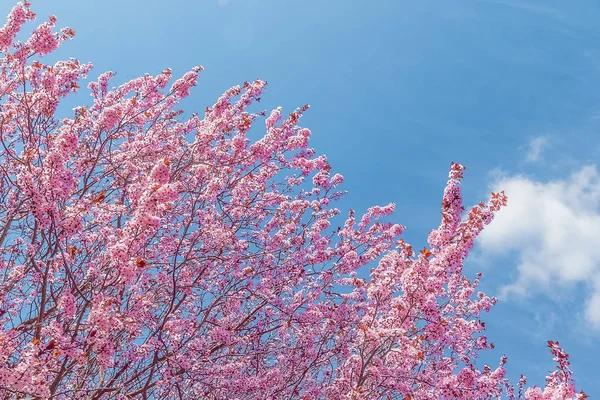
(399, 89)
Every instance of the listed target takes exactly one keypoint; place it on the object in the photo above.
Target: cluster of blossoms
(147, 255)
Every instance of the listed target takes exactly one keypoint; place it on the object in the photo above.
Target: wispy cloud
(553, 228)
(223, 3)
(535, 148)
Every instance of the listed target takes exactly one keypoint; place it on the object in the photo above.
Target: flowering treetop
(148, 255)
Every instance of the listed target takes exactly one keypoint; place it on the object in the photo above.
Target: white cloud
(535, 148)
(223, 3)
(554, 228)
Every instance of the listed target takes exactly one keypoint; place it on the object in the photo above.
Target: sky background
(399, 89)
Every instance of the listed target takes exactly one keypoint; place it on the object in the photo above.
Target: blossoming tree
(147, 255)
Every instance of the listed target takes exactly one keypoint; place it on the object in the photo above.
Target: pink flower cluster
(16, 18)
(43, 40)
